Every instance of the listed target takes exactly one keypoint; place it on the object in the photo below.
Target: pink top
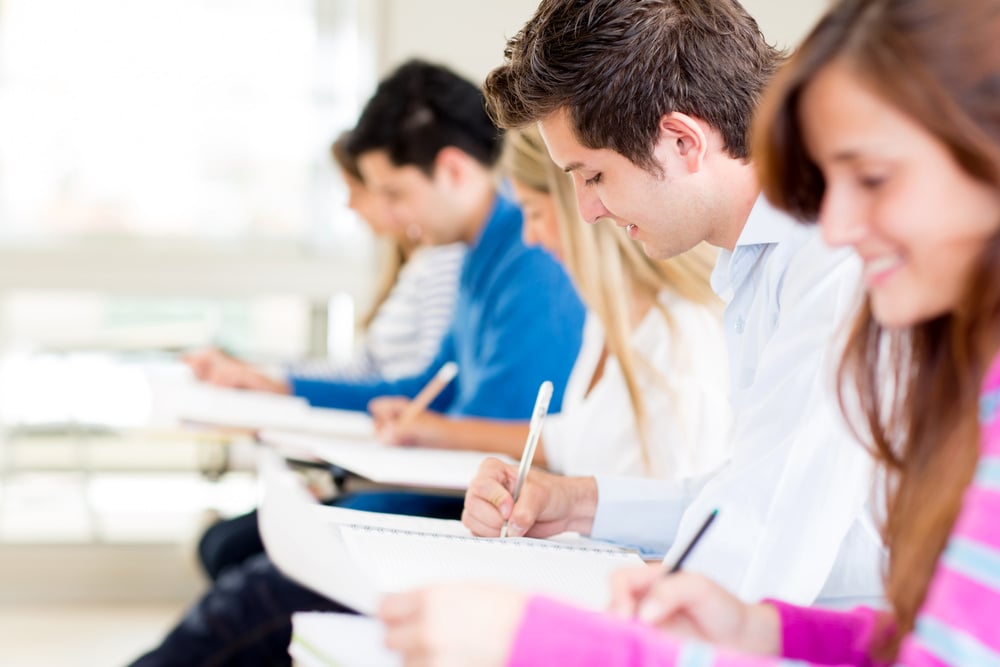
(958, 624)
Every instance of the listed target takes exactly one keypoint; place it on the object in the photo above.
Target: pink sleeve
(553, 633)
(827, 637)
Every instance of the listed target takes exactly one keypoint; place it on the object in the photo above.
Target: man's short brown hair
(618, 66)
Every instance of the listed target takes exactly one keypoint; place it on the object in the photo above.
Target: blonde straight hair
(609, 269)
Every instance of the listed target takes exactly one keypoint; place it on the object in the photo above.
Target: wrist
(582, 498)
(440, 432)
(763, 630)
(425, 430)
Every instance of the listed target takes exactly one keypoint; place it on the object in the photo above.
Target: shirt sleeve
(641, 513)
(798, 481)
(347, 395)
(829, 637)
(553, 633)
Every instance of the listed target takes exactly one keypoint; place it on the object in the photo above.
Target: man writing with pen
(672, 167)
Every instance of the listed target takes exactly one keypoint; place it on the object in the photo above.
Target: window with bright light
(205, 119)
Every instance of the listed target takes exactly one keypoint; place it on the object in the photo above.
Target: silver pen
(534, 432)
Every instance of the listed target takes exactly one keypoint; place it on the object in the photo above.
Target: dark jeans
(245, 618)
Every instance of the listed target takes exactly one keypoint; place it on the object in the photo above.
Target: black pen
(690, 547)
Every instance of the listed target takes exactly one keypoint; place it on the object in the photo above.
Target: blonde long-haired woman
(647, 395)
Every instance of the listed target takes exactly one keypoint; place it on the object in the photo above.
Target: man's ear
(450, 165)
(683, 139)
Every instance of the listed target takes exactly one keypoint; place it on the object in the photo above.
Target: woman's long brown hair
(911, 393)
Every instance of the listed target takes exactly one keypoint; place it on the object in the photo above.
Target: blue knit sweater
(517, 322)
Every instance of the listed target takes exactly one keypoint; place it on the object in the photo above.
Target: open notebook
(199, 403)
(356, 557)
(386, 464)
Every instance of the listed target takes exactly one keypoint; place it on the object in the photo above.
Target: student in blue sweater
(426, 146)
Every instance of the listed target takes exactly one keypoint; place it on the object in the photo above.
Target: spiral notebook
(357, 557)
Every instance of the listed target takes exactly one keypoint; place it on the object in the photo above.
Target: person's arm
(348, 395)
(216, 367)
(650, 612)
(437, 431)
(678, 620)
(553, 633)
(642, 513)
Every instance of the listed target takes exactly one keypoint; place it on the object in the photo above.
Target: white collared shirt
(793, 519)
(686, 402)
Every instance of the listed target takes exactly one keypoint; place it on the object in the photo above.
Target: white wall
(786, 22)
(469, 35)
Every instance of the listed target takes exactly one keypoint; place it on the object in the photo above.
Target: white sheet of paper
(307, 550)
(387, 464)
(339, 640)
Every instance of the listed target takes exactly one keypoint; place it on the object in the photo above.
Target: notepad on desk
(387, 464)
(355, 558)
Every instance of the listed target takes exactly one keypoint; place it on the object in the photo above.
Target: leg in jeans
(246, 617)
(229, 542)
(394, 502)
(243, 620)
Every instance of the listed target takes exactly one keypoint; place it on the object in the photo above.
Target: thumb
(525, 511)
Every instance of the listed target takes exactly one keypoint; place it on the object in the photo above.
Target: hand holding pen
(394, 414)
(534, 432)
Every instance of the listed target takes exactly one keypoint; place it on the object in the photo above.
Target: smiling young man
(648, 103)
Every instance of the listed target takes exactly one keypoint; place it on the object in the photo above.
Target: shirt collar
(765, 225)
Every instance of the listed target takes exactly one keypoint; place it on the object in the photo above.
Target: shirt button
(740, 324)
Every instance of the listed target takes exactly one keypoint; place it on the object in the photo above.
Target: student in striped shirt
(885, 126)
(413, 309)
(402, 330)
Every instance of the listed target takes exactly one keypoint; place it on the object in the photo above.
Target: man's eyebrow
(573, 166)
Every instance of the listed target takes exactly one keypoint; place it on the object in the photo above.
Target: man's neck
(742, 192)
(478, 213)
